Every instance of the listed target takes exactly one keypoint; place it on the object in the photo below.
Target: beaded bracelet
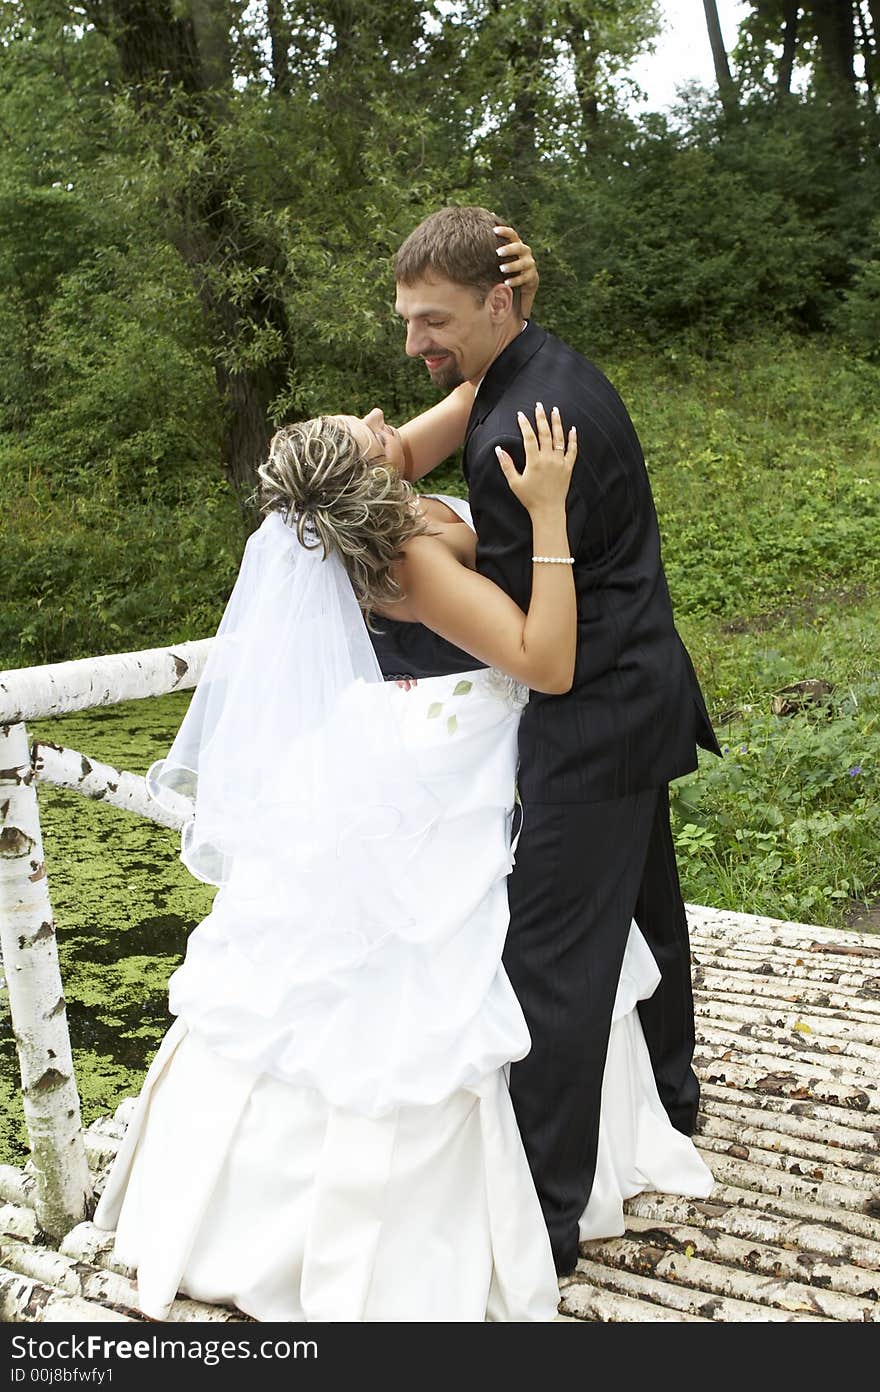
(555, 560)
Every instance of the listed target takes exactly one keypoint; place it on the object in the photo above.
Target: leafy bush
(858, 317)
(121, 396)
(788, 822)
(93, 576)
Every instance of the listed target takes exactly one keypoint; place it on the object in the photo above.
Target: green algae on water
(123, 906)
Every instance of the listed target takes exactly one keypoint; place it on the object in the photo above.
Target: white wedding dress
(346, 1150)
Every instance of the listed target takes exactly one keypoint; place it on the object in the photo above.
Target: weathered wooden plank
(740, 1273)
(853, 1061)
(840, 1125)
(688, 1299)
(758, 1224)
(790, 1080)
(708, 980)
(86, 1243)
(23, 1299)
(766, 1180)
(847, 972)
(782, 1200)
(737, 928)
(780, 1004)
(73, 1276)
(587, 1302)
(63, 1274)
(735, 1131)
(862, 1185)
(17, 1186)
(100, 1149)
(852, 949)
(712, 1244)
(831, 1026)
(20, 1220)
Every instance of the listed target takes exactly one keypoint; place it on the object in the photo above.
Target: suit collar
(502, 371)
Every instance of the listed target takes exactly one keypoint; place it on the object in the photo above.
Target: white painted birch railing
(27, 930)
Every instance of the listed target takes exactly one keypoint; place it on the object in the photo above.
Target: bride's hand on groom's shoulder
(518, 266)
(550, 457)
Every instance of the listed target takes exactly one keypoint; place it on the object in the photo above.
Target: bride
(325, 1133)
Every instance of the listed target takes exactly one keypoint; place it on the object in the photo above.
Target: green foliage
(787, 823)
(157, 241)
(696, 232)
(93, 575)
(765, 464)
(667, 260)
(121, 399)
(858, 318)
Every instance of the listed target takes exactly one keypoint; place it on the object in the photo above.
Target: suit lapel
(502, 372)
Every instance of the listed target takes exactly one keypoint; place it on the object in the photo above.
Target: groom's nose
(417, 340)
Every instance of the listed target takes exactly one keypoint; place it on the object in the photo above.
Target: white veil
(303, 793)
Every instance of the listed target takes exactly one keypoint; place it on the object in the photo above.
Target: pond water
(123, 905)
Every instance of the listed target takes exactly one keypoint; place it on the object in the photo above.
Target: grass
(788, 822)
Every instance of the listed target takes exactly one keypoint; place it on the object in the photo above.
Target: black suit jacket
(635, 713)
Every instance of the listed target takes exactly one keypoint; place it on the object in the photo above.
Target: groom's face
(453, 330)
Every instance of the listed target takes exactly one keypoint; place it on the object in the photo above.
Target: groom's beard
(447, 376)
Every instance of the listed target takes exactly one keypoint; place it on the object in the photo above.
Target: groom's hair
(458, 244)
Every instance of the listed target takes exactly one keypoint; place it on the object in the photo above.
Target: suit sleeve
(486, 463)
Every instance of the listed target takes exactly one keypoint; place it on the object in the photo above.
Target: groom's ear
(500, 302)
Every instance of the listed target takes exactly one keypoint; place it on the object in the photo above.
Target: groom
(595, 849)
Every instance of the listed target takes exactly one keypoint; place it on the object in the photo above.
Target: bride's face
(379, 441)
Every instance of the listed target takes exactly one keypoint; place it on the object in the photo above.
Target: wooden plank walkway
(788, 1052)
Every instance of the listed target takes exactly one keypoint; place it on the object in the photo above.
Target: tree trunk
(524, 58)
(209, 234)
(836, 36)
(789, 47)
(583, 52)
(155, 43)
(279, 36)
(214, 50)
(347, 93)
(726, 88)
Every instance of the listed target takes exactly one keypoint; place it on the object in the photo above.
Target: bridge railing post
(36, 999)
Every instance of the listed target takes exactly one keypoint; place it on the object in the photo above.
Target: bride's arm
(537, 648)
(430, 438)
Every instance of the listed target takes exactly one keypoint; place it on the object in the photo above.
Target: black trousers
(582, 873)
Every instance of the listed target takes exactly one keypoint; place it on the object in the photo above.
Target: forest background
(198, 204)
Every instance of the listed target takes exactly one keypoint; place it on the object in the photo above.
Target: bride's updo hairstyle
(336, 498)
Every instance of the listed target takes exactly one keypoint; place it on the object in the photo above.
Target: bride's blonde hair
(338, 499)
